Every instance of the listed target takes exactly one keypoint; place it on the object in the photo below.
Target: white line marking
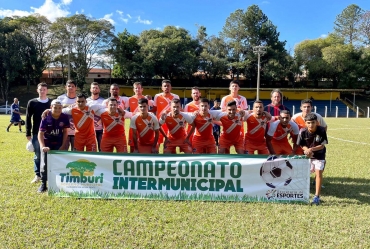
(350, 141)
(337, 129)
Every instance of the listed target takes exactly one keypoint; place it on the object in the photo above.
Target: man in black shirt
(35, 107)
(312, 139)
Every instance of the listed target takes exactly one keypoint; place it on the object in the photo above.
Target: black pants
(99, 135)
(44, 168)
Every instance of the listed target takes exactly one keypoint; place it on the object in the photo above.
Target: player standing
(277, 135)
(67, 99)
(134, 108)
(122, 101)
(145, 128)
(241, 102)
(176, 122)
(96, 99)
(162, 103)
(299, 118)
(193, 106)
(313, 139)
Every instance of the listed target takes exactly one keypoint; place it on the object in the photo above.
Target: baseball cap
(56, 102)
(30, 147)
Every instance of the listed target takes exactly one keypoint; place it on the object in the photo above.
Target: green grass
(32, 220)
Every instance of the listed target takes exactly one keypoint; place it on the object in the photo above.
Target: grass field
(32, 220)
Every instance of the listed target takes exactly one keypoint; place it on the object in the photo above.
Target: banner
(178, 177)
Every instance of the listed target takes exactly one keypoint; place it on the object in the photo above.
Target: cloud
(50, 9)
(121, 17)
(129, 16)
(147, 22)
(265, 2)
(108, 17)
(323, 36)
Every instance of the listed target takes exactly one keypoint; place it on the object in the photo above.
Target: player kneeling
(176, 122)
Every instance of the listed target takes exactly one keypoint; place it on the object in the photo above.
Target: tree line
(28, 45)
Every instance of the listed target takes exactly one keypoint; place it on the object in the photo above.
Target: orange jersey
(176, 126)
(133, 103)
(299, 120)
(203, 127)
(241, 102)
(279, 133)
(83, 120)
(163, 103)
(145, 128)
(256, 128)
(232, 128)
(114, 125)
(191, 107)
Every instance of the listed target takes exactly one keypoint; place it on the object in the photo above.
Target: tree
(171, 53)
(17, 55)
(86, 39)
(37, 28)
(126, 54)
(342, 63)
(331, 59)
(243, 31)
(214, 54)
(365, 28)
(347, 23)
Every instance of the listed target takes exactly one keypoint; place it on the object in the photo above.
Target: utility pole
(259, 50)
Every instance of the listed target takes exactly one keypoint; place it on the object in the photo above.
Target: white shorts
(317, 165)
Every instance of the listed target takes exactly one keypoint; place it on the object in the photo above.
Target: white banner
(178, 177)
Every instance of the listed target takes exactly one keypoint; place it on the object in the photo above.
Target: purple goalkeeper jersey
(53, 128)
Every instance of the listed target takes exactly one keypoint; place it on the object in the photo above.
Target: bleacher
(320, 106)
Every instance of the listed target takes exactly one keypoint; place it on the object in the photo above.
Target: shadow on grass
(357, 189)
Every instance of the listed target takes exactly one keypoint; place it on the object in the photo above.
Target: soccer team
(81, 123)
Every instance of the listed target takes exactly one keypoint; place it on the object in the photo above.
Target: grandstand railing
(355, 107)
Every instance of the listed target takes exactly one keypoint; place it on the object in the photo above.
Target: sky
(296, 20)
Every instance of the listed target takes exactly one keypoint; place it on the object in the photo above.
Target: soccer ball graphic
(276, 173)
